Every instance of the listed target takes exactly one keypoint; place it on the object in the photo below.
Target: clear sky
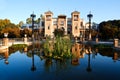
(20, 10)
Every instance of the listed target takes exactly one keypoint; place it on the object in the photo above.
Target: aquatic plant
(59, 48)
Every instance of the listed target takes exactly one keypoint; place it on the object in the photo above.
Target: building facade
(74, 25)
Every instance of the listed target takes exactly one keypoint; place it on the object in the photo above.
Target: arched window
(75, 27)
(81, 24)
(48, 27)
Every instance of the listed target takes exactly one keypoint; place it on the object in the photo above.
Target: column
(115, 42)
(25, 39)
(96, 39)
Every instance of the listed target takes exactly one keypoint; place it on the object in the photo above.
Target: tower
(75, 23)
(62, 23)
(48, 24)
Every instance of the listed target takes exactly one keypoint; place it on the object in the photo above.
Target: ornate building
(74, 25)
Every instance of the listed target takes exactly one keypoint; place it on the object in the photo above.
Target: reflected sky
(19, 68)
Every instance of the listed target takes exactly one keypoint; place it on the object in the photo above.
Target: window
(48, 17)
(75, 49)
(62, 23)
(75, 17)
(75, 27)
(43, 24)
(81, 24)
(48, 27)
(69, 22)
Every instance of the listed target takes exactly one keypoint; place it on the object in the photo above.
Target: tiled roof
(75, 12)
(48, 12)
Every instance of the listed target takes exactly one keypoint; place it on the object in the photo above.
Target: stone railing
(10, 41)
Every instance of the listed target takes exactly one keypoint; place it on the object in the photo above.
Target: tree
(37, 21)
(26, 31)
(20, 23)
(59, 32)
(12, 30)
(42, 17)
(109, 29)
(29, 20)
(3, 23)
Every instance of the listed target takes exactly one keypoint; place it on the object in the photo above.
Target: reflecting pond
(89, 64)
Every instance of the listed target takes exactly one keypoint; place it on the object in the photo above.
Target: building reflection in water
(5, 55)
(25, 49)
(78, 52)
(116, 57)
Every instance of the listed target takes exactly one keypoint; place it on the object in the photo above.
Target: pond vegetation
(58, 49)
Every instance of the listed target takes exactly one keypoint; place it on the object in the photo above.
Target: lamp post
(33, 68)
(32, 16)
(5, 40)
(5, 35)
(89, 17)
(38, 31)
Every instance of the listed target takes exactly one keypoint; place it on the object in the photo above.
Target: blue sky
(20, 10)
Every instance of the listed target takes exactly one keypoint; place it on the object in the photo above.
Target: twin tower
(73, 25)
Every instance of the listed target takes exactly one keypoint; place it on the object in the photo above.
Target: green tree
(20, 23)
(59, 32)
(42, 17)
(109, 29)
(29, 20)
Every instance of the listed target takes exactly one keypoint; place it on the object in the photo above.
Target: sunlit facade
(74, 25)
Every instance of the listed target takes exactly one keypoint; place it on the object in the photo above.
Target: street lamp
(5, 35)
(32, 16)
(33, 68)
(89, 17)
